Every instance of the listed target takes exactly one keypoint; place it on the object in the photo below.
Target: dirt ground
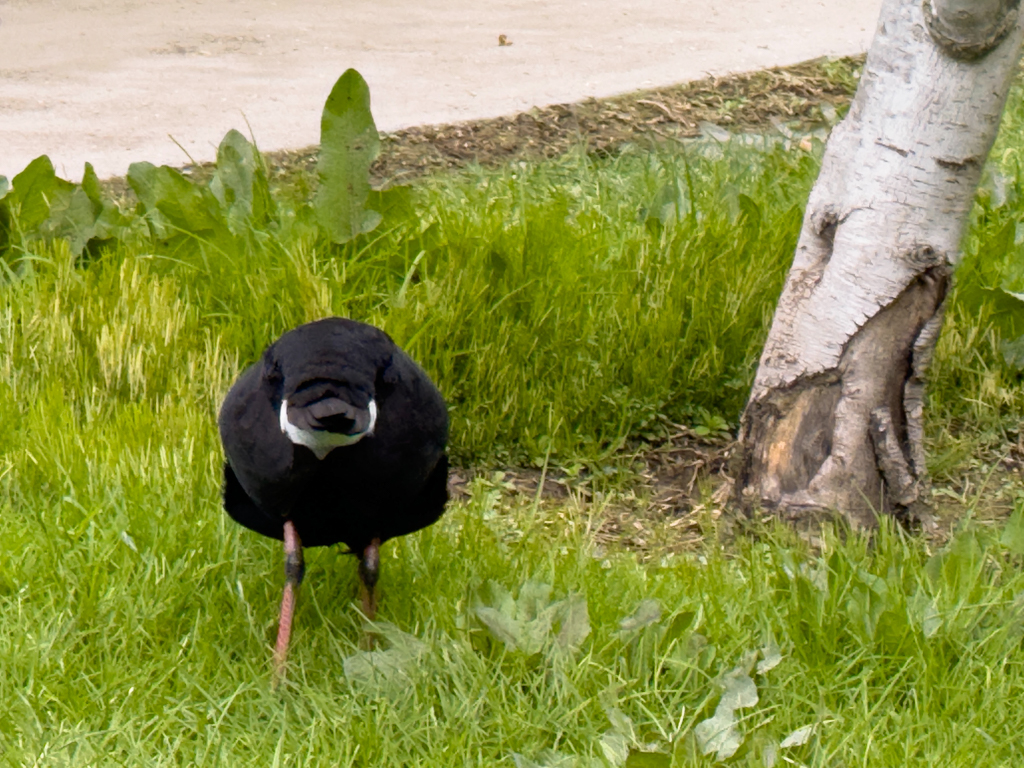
(112, 81)
(800, 98)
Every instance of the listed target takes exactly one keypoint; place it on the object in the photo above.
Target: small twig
(658, 105)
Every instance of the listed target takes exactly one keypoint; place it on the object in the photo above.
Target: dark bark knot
(825, 222)
(957, 165)
(898, 150)
(825, 225)
(969, 29)
(925, 258)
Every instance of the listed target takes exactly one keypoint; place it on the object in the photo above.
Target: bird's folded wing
(260, 454)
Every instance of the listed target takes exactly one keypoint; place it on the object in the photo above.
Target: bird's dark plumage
(334, 435)
(338, 377)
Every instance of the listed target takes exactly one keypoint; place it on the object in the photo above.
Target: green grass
(551, 313)
(160, 656)
(564, 308)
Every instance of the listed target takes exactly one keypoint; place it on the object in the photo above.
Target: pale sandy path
(108, 80)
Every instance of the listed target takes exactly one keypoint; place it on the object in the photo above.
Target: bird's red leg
(294, 567)
(369, 569)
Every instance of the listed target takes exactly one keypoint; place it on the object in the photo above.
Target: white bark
(834, 418)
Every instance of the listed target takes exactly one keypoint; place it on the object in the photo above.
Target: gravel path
(110, 81)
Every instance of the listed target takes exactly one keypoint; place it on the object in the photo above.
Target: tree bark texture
(834, 420)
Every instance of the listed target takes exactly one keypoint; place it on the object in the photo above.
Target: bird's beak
(294, 568)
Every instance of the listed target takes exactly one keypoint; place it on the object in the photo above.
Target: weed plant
(563, 308)
(141, 636)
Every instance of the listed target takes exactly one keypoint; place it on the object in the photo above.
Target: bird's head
(327, 375)
(326, 414)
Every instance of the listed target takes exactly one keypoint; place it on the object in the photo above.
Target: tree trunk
(834, 421)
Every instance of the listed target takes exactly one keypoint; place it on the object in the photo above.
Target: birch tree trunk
(834, 420)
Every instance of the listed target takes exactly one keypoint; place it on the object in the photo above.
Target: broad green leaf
(875, 583)
(620, 721)
(868, 599)
(34, 190)
(1013, 350)
(534, 599)
(638, 759)
(894, 629)
(349, 143)
(517, 622)
(370, 666)
(5, 187)
(740, 691)
(240, 183)
(172, 203)
(536, 616)
(1013, 533)
(575, 622)
(615, 747)
(393, 203)
(995, 189)
(729, 194)
(925, 611)
(647, 613)
(799, 737)
(81, 214)
(527, 623)
(719, 734)
(957, 571)
(501, 625)
(91, 185)
(771, 658)
(501, 599)
(74, 217)
(932, 621)
(51, 207)
(678, 625)
(395, 637)
(499, 615)
(142, 177)
(536, 632)
(387, 669)
(750, 210)
(110, 222)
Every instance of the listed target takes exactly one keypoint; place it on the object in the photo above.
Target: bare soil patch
(677, 495)
(806, 94)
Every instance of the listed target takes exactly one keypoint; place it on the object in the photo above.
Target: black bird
(334, 435)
